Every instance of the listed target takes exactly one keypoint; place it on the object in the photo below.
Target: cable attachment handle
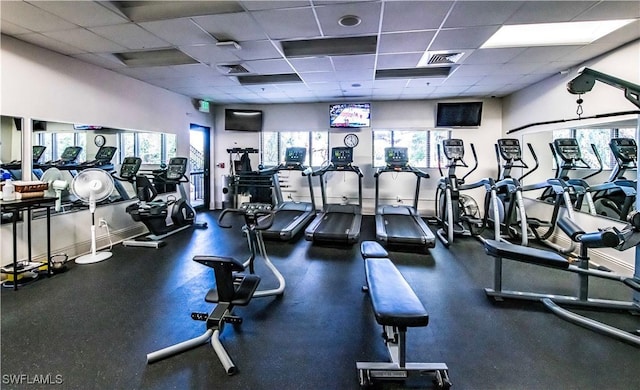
(579, 110)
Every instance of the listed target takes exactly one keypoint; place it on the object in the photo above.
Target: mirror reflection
(60, 151)
(599, 162)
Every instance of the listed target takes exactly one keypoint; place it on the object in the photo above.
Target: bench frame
(580, 299)
(395, 339)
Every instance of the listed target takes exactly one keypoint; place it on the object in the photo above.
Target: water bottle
(8, 190)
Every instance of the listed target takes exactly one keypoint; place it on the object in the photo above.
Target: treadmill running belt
(403, 229)
(282, 219)
(334, 226)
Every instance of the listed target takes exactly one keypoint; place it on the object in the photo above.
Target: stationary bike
(233, 286)
(154, 213)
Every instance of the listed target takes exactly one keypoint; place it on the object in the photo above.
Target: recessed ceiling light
(356, 85)
(349, 21)
(552, 34)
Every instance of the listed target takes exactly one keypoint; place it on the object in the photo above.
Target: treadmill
(399, 224)
(337, 222)
(289, 217)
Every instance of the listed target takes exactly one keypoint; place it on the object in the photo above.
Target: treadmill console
(453, 149)
(509, 149)
(129, 168)
(567, 148)
(396, 157)
(70, 155)
(624, 149)
(38, 151)
(341, 156)
(294, 156)
(177, 168)
(252, 207)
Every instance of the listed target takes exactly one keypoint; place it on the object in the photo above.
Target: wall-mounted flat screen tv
(468, 114)
(242, 120)
(350, 115)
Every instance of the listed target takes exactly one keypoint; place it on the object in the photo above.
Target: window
(422, 145)
(152, 148)
(600, 138)
(627, 133)
(274, 145)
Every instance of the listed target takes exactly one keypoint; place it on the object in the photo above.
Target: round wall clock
(351, 140)
(99, 140)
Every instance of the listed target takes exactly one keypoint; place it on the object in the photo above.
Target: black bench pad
(394, 302)
(372, 249)
(525, 254)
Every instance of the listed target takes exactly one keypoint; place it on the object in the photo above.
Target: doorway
(199, 149)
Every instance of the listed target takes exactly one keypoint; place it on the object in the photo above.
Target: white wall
(40, 84)
(385, 115)
(549, 100)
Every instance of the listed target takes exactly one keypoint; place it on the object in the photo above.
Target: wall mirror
(71, 147)
(608, 202)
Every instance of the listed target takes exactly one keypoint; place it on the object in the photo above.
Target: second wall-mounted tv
(350, 115)
(242, 120)
(467, 114)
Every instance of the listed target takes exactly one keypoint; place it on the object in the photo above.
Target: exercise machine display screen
(510, 149)
(177, 168)
(106, 153)
(130, 167)
(567, 148)
(295, 155)
(38, 151)
(70, 153)
(396, 157)
(625, 149)
(341, 155)
(453, 149)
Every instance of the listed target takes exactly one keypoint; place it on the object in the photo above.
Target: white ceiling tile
(255, 5)
(50, 43)
(462, 38)
(131, 36)
(86, 40)
(313, 64)
(499, 79)
(269, 66)
(354, 75)
(416, 41)
(364, 85)
(82, 13)
(542, 54)
(300, 23)
(148, 73)
(12, 29)
(414, 15)
(473, 70)
(324, 86)
(346, 63)
(179, 32)
(461, 81)
(493, 56)
(210, 54)
(481, 13)
(318, 77)
(107, 61)
(235, 27)
(548, 11)
(390, 84)
(398, 61)
(368, 12)
(30, 17)
(257, 50)
(605, 10)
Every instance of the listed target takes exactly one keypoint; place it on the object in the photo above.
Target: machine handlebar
(257, 216)
(606, 238)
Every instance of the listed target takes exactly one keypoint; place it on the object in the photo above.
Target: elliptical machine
(453, 209)
(155, 213)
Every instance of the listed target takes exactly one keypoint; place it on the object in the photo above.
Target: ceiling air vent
(444, 58)
(233, 69)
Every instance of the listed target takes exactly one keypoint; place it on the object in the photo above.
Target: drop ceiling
(297, 51)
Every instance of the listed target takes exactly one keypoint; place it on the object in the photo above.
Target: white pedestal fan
(91, 186)
(57, 185)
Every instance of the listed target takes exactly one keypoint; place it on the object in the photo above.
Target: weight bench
(232, 289)
(396, 307)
